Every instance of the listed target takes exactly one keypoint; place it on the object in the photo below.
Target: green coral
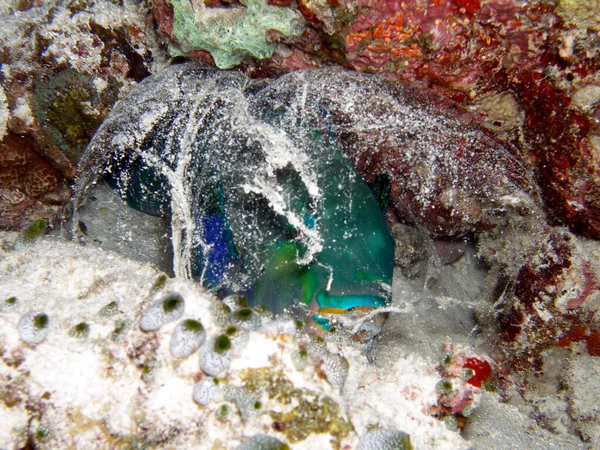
(231, 34)
(307, 412)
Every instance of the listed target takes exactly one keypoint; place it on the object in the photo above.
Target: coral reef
(526, 71)
(96, 390)
(230, 34)
(63, 65)
(540, 58)
(551, 302)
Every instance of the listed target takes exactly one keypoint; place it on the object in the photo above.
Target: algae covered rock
(231, 34)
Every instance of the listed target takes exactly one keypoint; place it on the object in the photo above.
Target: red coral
(582, 334)
(469, 7)
(482, 370)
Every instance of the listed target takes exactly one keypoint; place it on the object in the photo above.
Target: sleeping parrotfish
(260, 202)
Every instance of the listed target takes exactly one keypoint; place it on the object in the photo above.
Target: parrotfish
(260, 198)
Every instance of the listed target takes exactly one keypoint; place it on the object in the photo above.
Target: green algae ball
(222, 344)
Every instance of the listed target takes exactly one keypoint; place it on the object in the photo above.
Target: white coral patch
(94, 392)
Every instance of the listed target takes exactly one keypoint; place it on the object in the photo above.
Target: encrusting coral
(231, 34)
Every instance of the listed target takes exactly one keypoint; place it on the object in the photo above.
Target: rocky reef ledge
(98, 351)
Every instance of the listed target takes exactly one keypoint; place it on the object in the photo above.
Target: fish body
(261, 202)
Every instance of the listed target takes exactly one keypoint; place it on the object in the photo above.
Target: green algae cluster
(69, 109)
(33, 231)
(231, 34)
(307, 412)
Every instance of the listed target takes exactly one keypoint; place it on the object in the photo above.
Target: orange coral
(390, 36)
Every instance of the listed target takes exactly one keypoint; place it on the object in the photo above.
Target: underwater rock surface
(98, 380)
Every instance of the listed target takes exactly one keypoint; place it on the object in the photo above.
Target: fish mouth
(354, 315)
